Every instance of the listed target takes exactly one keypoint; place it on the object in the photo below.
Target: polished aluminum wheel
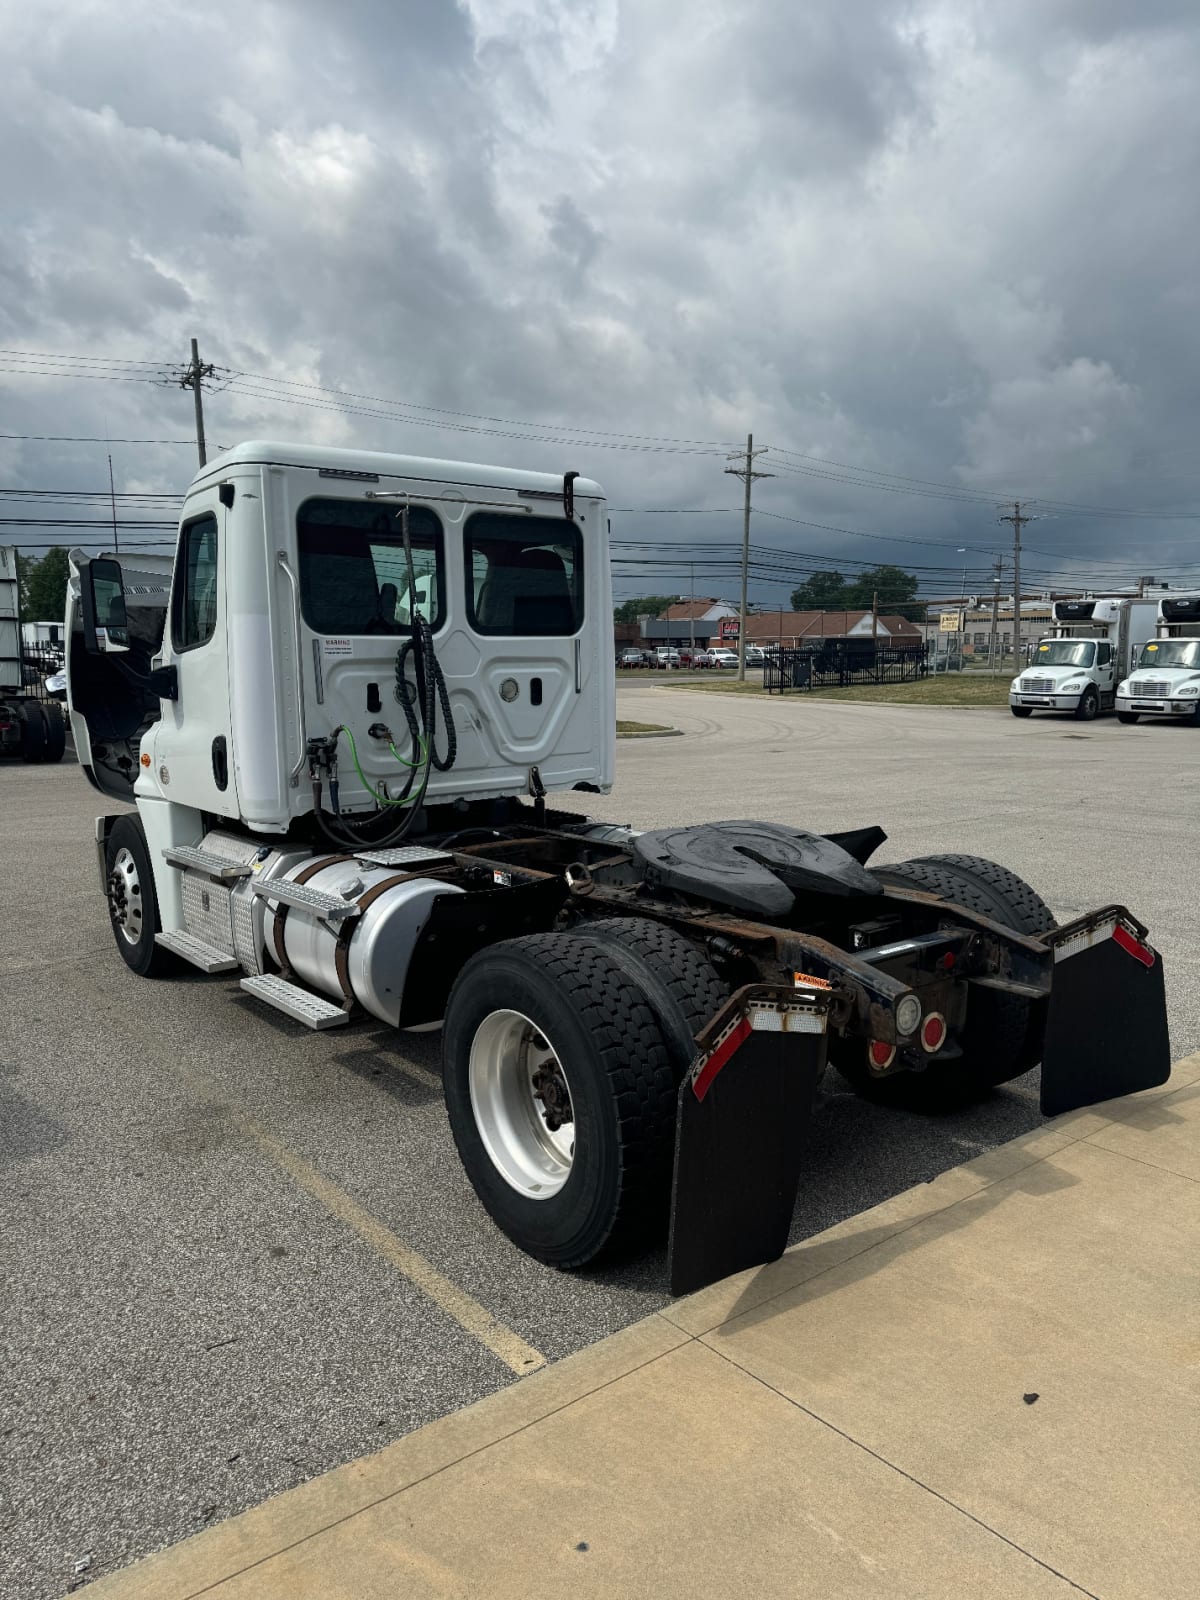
(522, 1104)
(125, 897)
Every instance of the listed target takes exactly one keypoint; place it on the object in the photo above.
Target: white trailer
(1165, 681)
(338, 719)
(1077, 667)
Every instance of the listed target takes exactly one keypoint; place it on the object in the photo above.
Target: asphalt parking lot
(237, 1253)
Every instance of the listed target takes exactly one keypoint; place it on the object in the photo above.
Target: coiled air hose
(419, 700)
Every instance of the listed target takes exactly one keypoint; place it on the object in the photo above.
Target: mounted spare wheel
(998, 1040)
(561, 1097)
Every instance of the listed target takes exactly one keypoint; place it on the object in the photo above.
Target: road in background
(238, 1253)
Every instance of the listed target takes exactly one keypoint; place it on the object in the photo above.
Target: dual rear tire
(43, 733)
(1001, 1037)
(562, 1058)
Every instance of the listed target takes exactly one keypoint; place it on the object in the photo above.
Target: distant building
(791, 630)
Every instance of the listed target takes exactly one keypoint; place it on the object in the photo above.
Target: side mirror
(102, 608)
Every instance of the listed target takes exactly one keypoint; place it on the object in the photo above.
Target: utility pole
(748, 475)
(1018, 520)
(112, 495)
(192, 379)
(993, 639)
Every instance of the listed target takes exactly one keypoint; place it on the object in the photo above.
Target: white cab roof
(260, 452)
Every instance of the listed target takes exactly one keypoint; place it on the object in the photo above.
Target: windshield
(1065, 653)
(1171, 653)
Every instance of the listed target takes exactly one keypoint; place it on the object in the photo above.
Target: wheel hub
(125, 897)
(522, 1104)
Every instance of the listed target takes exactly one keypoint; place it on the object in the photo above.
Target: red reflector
(1133, 947)
(933, 1032)
(724, 1052)
(948, 960)
(880, 1054)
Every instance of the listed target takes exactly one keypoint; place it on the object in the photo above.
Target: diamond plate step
(190, 857)
(330, 906)
(205, 956)
(404, 855)
(313, 1010)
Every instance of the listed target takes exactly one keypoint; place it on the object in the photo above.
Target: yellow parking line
(506, 1345)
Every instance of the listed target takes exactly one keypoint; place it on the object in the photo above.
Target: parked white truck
(1166, 678)
(1078, 666)
(333, 732)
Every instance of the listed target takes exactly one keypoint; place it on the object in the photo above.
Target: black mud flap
(742, 1112)
(1106, 1029)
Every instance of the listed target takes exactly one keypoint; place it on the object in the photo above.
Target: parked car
(756, 656)
(694, 658)
(632, 658)
(667, 657)
(721, 657)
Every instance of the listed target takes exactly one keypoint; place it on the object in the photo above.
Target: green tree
(45, 597)
(896, 590)
(646, 605)
(824, 591)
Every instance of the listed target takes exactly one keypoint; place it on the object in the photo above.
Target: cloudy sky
(933, 254)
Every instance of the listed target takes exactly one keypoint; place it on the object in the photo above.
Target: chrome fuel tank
(374, 949)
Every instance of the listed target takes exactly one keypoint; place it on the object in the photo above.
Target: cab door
(1105, 673)
(192, 752)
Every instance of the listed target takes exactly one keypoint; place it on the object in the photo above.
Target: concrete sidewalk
(986, 1386)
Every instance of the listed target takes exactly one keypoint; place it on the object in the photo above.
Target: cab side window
(1103, 655)
(194, 598)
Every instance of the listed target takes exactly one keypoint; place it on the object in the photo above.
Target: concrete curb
(653, 733)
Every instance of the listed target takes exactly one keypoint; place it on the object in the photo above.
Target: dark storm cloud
(942, 239)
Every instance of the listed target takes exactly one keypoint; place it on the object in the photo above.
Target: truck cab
(1078, 666)
(1165, 681)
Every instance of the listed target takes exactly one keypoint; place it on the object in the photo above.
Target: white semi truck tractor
(1165, 681)
(336, 730)
(1077, 667)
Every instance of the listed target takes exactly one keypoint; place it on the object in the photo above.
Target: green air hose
(384, 799)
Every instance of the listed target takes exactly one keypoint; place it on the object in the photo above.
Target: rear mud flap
(742, 1113)
(1106, 1029)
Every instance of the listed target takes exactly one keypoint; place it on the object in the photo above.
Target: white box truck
(1077, 667)
(1165, 681)
(332, 731)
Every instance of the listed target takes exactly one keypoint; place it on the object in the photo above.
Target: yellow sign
(950, 622)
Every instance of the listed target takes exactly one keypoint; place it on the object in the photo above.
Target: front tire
(132, 902)
(1021, 711)
(547, 1033)
(998, 1039)
(1088, 707)
(1128, 717)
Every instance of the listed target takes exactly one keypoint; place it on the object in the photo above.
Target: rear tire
(1021, 711)
(1127, 716)
(997, 1039)
(1089, 705)
(56, 733)
(592, 1028)
(34, 733)
(132, 902)
(678, 979)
